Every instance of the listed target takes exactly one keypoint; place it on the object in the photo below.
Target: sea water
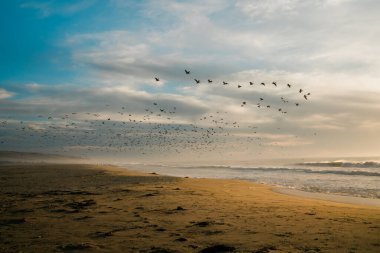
(348, 177)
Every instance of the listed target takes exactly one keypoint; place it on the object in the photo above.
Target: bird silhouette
(250, 83)
(239, 86)
(157, 79)
(289, 85)
(263, 84)
(274, 83)
(187, 72)
(197, 81)
(209, 81)
(225, 83)
(300, 91)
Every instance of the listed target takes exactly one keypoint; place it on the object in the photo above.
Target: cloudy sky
(77, 77)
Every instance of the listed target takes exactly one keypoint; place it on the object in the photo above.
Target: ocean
(348, 177)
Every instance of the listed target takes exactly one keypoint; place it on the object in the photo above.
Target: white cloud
(304, 47)
(4, 94)
(266, 9)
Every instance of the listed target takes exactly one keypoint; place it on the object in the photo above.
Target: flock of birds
(155, 129)
(259, 104)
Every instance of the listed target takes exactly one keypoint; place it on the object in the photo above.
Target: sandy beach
(190, 126)
(90, 208)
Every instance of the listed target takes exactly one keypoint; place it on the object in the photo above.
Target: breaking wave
(353, 172)
(310, 171)
(343, 164)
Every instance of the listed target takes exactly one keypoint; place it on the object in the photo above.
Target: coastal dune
(91, 208)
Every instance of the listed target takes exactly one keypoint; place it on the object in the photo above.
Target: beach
(93, 208)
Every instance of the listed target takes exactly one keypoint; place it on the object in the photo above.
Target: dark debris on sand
(99, 234)
(86, 217)
(212, 232)
(181, 239)
(74, 246)
(161, 250)
(219, 248)
(202, 224)
(12, 221)
(81, 204)
(66, 192)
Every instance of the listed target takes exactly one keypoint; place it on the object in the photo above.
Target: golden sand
(88, 208)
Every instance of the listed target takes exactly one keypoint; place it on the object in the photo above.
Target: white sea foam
(360, 179)
(344, 164)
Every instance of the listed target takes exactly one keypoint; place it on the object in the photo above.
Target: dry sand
(88, 208)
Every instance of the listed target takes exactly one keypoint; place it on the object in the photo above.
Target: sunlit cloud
(4, 94)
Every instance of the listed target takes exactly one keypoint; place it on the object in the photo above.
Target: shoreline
(330, 197)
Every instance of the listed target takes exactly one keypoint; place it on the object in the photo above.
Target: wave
(348, 172)
(288, 170)
(310, 171)
(344, 164)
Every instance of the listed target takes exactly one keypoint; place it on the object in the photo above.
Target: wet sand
(331, 197)
(89, 208)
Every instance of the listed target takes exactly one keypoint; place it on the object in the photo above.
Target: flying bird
(187, 72)
(157, 79)
(197, 81)
(250, 83)
(305, 97)
(239, 86)
(289, 85)
(263, 84)
(274, 83)
(300, 91)
(209, 81)
(225, 83)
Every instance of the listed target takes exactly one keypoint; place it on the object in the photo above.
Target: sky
(78, 78)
